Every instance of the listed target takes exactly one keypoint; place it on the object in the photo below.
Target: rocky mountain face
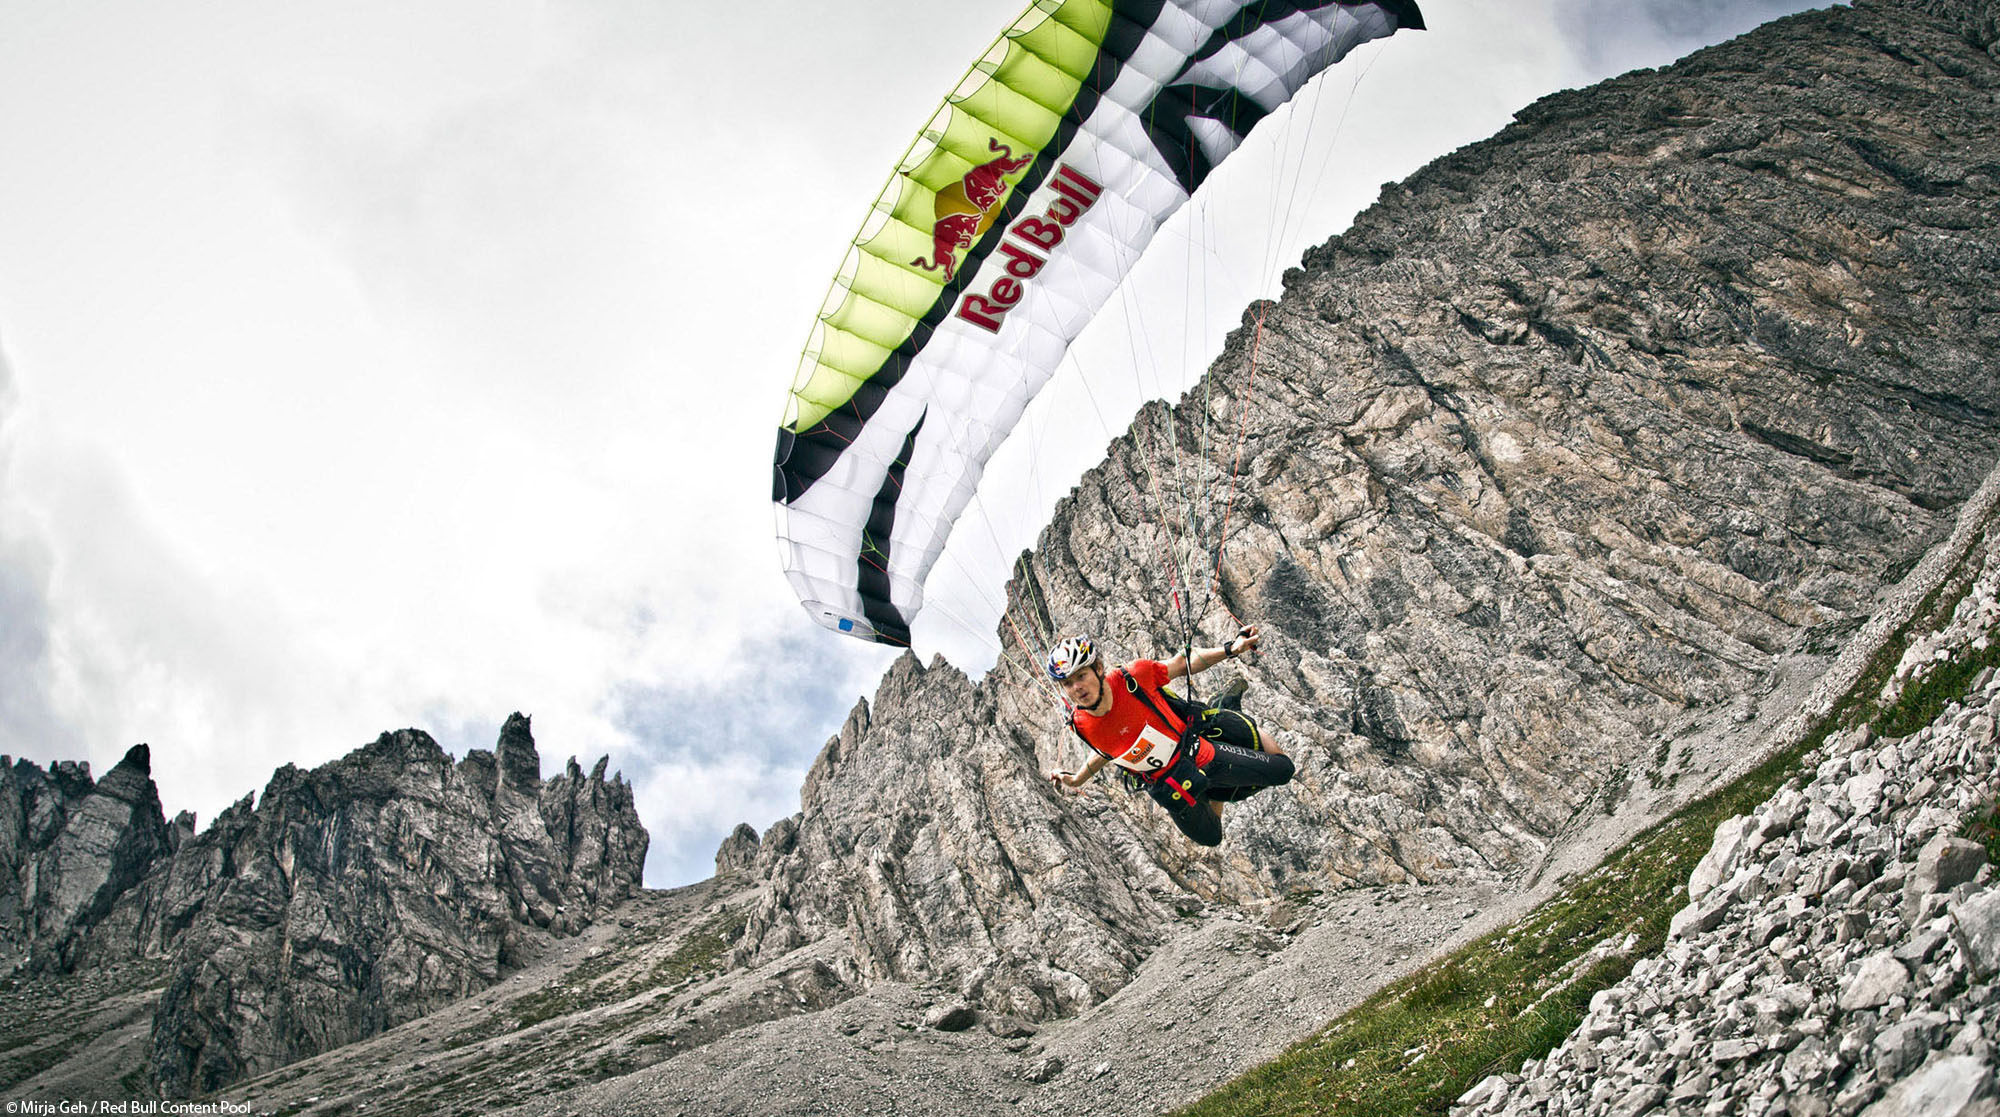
(653, 1009)
(71, 848)
(343, 901)
(1616, 419)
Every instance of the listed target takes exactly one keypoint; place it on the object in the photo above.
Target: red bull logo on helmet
(965, 209)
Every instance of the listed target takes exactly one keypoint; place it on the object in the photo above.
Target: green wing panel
(1007, 107)
(876, 322)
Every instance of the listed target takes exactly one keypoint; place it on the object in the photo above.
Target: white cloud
(26, 712)
(1613, 38)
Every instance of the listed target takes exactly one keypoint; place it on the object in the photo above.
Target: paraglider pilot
(1190, 758)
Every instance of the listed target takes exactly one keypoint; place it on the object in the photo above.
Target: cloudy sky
(371, 365)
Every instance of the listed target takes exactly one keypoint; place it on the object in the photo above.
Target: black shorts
(1236, 771)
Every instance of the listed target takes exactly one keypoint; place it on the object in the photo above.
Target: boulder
(1735, 840)
(1879, 977)
(1975, 923)
(1946, 1087)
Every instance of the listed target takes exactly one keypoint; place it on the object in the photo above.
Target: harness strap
(1139, 692)
(1188, 713)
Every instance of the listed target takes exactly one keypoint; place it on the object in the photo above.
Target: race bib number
(1153, 751)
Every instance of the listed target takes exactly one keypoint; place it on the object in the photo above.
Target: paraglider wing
(1008, 224)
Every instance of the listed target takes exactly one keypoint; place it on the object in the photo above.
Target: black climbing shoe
(1230, 697)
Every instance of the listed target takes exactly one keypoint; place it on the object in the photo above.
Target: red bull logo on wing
(966, 208)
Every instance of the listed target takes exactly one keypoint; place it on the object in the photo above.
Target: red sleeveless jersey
(1130, 734)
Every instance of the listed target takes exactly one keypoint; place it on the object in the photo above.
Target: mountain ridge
(342, 901)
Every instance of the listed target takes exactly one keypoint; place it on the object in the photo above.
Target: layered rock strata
(1583, 432)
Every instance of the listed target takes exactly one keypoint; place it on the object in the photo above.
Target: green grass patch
(1928, 696)
(702, 951)
(545, 1004)
(1984, 828)
(1937, 686)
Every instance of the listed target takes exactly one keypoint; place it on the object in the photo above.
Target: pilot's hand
(1247, 639)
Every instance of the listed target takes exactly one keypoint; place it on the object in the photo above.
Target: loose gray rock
(1944, 863)
(1975, 924)
(1901, 1047)
(1488, 1089)
(954, 1017)
(1641, 1101)
(1947, 1087)
(1806, 979)
(1879, 977)
(1045, 1069)
(1010, 1027)
(1734, 840)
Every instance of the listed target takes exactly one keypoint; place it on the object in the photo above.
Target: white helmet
(1071, 655)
